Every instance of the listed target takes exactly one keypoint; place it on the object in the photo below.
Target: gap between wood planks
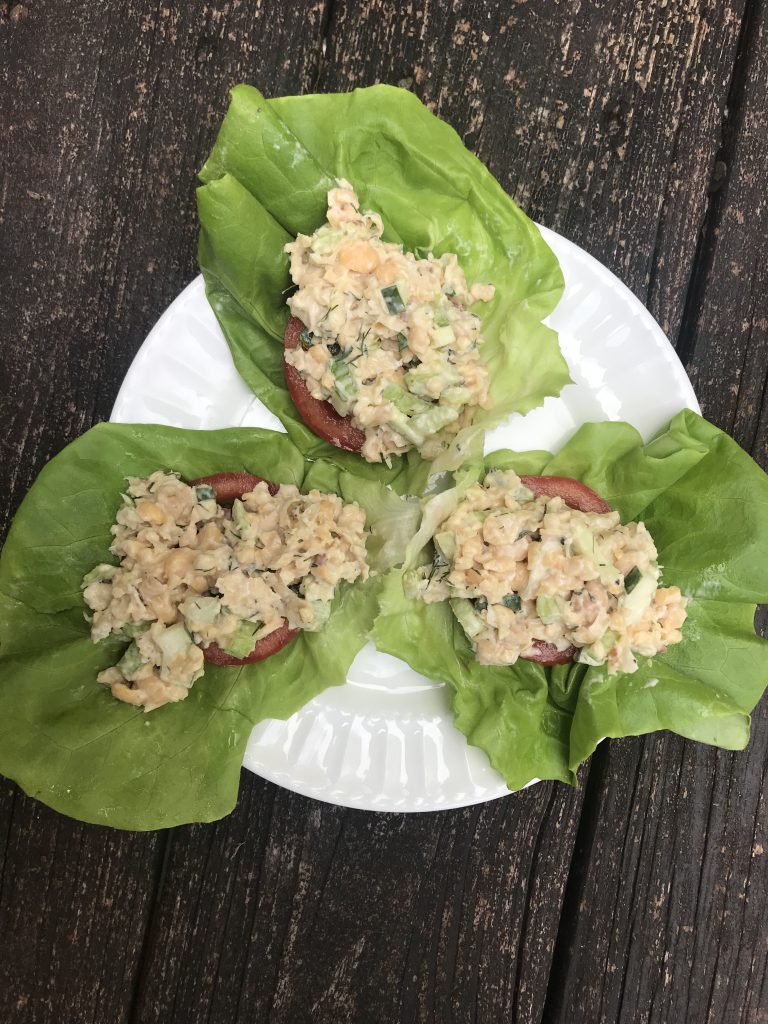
(702, 261)
(684, 343)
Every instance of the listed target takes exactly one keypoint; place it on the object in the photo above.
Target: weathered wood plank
(601, 120)
(290, 909)
(106, 112)
(297, 911)
(73, 913)
(109, 111)
(677, 869)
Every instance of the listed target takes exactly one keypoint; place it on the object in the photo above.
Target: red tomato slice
(265, 648)
(227, 487)
(321, 418)
(576, 495)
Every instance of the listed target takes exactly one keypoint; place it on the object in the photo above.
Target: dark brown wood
(601, 119)
(73, 914)
(298, 911)
(604, 121)
(675, 852)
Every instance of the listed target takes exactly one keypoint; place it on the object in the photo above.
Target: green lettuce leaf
(705, 503)
(267, 179)
(63, 737)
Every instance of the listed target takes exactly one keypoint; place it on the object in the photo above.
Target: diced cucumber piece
(405, 425)
(204, 610)
(204, 492)
(307, 339)
(240, 518)
(457, 397)
(101, 574)
(432, 421)
(419, 379)
(402, 341)
(131, 661)
(499, 478)
(344, 382)
(440, 314)
(324, 241)
(404, 400)
(513, 602)
(446, 542)
(242, 641)
(632, 579)
(585, 543)
(597, 653)
(393, 299)
(132, 629)
(322, 610)
(173, 641)
(549, 609)
(636, 603)
(470, 621)
(444, 336)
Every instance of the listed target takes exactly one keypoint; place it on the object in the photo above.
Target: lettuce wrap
(267, 179)
(705, 503)
(63, 737)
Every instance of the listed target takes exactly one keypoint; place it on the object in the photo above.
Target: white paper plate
(386, 741)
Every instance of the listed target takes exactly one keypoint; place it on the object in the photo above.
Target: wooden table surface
(637, 128)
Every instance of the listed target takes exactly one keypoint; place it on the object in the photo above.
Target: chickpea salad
(521, 571)
(388, 338)
(193, 573)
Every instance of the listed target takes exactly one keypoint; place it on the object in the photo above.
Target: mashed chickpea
(520, 569)
(193, 573)
(388, 339)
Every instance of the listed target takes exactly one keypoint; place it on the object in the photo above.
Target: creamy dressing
(520, 569)
(193, 573)
(388, 339)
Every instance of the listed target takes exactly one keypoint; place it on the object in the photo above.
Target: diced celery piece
(242, 641)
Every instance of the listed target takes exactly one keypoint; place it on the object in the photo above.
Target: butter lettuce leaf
(267, 179)
(63, 737)
(705, 503)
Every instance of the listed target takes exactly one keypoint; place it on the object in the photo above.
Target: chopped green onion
(513, 602)
(307, 338)
(632, 579)
(402, 342)
(204, 492)
(393, 299)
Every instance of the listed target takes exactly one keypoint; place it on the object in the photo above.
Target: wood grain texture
(74, 906)
(605, 120)
(726, 342)
(109, 111)
(601, 119)
(676, 858)
(295, 911)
